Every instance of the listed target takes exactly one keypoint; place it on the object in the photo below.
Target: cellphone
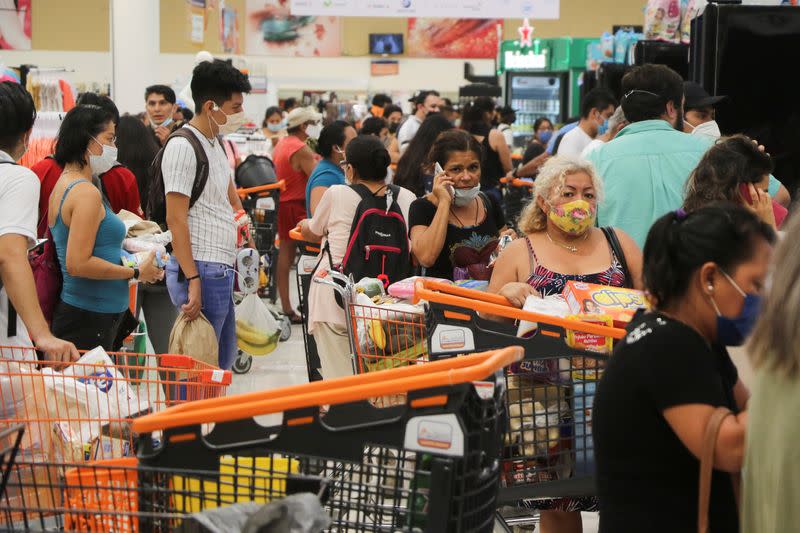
(437, 169)
(39, 243)
(744, 190)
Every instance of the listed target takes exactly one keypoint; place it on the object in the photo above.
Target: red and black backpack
(378, 246)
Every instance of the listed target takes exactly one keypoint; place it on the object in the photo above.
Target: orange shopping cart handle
(297, 235)
(261, 188)
(443, 293)
(516, 182)
(443, 373)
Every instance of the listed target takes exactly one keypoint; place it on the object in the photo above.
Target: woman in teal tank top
(88, 235)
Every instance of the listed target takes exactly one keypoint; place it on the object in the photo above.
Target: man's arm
(236, 205)
(304, 160)
(178, 224)
(21, 290)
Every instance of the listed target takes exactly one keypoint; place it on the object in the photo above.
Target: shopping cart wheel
(243, 363)
(286, 329)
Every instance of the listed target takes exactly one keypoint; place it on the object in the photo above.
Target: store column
(134, 51)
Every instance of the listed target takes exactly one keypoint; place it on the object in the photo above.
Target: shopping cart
(430, 465)
(518, 192)
(306, 264)
(10, 440)
(261, 204)
(548, 450)
(380, 337)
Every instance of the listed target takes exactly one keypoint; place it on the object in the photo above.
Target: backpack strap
(616, 248)
(201, 172)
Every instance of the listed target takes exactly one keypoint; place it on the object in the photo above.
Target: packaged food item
(135, 260)
(607, 46)
(588, 341)
(474, 284)
(104, 447)
(243, 225)
(554, 305)
(620, 304)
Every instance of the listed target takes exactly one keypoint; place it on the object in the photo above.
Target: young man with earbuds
(200, 273)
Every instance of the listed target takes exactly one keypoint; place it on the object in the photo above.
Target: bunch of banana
(254, 342)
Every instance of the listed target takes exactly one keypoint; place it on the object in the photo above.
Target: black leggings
(87, 329)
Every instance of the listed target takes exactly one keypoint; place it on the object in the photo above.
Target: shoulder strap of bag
(707, 466)
(616, 247)
(201, 174)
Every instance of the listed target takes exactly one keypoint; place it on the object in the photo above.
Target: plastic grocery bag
(257, 331)
(86, 397)
(195, 338)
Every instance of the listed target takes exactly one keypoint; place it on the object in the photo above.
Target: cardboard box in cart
(618, 303)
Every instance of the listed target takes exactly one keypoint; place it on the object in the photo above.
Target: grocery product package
(86, 398)
(195, 338)
(405, 287)
(620, 304)
(257, 331)
(554, 305)
(662, 20)
(135, 259)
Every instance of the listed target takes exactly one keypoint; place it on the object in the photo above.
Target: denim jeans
(216, 285)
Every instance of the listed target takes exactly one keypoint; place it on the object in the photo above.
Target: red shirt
(296, 180)
(119, 184)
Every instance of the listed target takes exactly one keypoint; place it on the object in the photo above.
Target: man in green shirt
(646, 166)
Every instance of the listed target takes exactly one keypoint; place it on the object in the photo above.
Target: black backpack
(156, 201)
(378, 246)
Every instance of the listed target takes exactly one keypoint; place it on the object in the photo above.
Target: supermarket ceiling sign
(479, 9)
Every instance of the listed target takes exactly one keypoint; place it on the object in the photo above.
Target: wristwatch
(135, 273)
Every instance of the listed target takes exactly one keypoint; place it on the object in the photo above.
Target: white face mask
(462, 197)
(232, 124)
(156, 126)
(100, 164)
(707, 129)
(313, 131)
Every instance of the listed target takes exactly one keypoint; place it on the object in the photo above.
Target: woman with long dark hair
(412, 173)
(476, 120)
(136, 150)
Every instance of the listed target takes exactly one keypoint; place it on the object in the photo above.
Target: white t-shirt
(19, 211)
(333, 217)
(591, 147)
(574, 142)
(508, 133)
(407, 131)
(212, 229)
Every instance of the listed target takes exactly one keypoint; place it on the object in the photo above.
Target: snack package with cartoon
(591, 299)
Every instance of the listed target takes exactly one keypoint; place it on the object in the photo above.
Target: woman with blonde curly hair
(561, 244)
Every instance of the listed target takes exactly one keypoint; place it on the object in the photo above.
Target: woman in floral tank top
(562, 244)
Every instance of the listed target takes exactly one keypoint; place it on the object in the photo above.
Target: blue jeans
(216, 282)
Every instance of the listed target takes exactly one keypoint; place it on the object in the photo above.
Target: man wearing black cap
(507, 117)
(425, 102)
(698, 111)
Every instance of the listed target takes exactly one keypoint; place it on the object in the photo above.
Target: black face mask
(393, 127)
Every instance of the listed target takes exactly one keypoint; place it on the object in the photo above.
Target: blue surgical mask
(545, 136)
(276, 128)
(603, 128)
(734, 331)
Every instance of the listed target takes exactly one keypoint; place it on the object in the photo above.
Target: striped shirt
(211, 226)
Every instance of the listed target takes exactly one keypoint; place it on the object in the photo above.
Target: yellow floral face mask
(573, 218)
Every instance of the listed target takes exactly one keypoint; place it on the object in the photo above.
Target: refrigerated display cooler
(542, 80)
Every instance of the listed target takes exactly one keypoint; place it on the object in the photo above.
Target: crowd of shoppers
(651, 171)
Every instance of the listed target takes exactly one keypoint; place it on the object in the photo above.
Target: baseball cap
(301, 115)
(697, 97)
